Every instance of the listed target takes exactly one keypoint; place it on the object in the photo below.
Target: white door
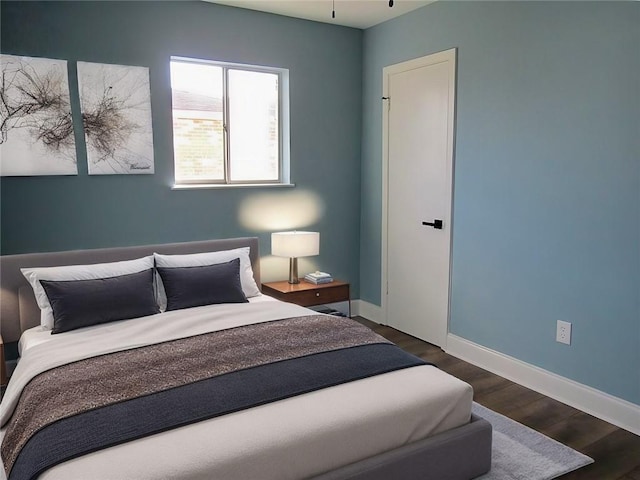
(419, 122)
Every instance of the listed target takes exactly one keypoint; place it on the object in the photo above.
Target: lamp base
(293, 271)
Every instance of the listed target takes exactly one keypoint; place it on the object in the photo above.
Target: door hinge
(388, 99)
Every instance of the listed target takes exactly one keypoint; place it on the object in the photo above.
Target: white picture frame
(36, 125)
(116, 109)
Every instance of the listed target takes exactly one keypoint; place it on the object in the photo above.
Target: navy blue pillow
(81, 303)
(188, 287)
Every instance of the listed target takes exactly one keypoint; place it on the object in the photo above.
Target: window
(229, 123)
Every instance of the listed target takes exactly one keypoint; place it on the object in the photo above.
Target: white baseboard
(602, 405)
(367, 310)
(611, 409)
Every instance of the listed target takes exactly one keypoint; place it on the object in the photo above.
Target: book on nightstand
(318, 277)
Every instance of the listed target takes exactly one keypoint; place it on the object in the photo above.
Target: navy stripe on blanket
(139, 417)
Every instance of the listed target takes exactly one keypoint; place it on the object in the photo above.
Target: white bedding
(294, 438)
(34, 336)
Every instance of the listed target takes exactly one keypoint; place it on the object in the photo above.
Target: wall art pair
(36, 123)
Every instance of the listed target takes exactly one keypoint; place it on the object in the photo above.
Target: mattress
(298, 437)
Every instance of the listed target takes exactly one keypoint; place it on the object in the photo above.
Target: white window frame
(283, 129)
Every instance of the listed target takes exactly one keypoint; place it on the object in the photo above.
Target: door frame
(432, 59)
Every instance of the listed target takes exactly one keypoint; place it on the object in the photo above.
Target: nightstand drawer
(339, 293)
(307, 294)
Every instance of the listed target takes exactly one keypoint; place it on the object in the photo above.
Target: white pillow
(77, 272)
(249, 286)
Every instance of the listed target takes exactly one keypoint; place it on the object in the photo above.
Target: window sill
(206, 186)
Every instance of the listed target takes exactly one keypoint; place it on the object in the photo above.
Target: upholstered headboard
(18, 307)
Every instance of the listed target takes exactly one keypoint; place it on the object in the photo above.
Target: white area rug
(520, 453)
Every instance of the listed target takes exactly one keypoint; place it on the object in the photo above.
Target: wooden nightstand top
(286, 287)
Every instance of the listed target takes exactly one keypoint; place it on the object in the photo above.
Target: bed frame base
(458, 454)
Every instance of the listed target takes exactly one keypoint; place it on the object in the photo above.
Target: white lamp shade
(295, 244)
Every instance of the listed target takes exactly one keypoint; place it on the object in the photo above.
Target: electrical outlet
(563, 332)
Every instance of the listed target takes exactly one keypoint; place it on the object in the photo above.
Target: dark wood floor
(616, 452)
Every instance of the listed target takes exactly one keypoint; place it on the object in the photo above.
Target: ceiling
(350, 13)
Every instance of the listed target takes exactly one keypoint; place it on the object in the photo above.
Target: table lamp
(293, 245)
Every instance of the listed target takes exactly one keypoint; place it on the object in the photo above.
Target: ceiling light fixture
(390, 3)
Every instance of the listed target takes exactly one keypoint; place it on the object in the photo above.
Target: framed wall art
(36, 127)
(116, 116)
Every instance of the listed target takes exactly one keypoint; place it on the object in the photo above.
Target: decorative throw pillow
(82, 303)
(247, 281)
(187, 287)
(77, 272)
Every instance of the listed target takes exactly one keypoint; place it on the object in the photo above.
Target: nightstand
(3, 365)
(309, 294)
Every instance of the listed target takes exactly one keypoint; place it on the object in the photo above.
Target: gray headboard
(18, 307)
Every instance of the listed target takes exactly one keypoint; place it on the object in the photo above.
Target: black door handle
(437, 224)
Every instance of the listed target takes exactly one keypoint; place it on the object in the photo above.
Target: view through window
(226, 123)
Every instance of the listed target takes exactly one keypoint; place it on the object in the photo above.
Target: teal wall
(547, 167)
(325, 66)
(547, 178)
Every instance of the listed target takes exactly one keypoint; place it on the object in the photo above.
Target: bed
(409, 421)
